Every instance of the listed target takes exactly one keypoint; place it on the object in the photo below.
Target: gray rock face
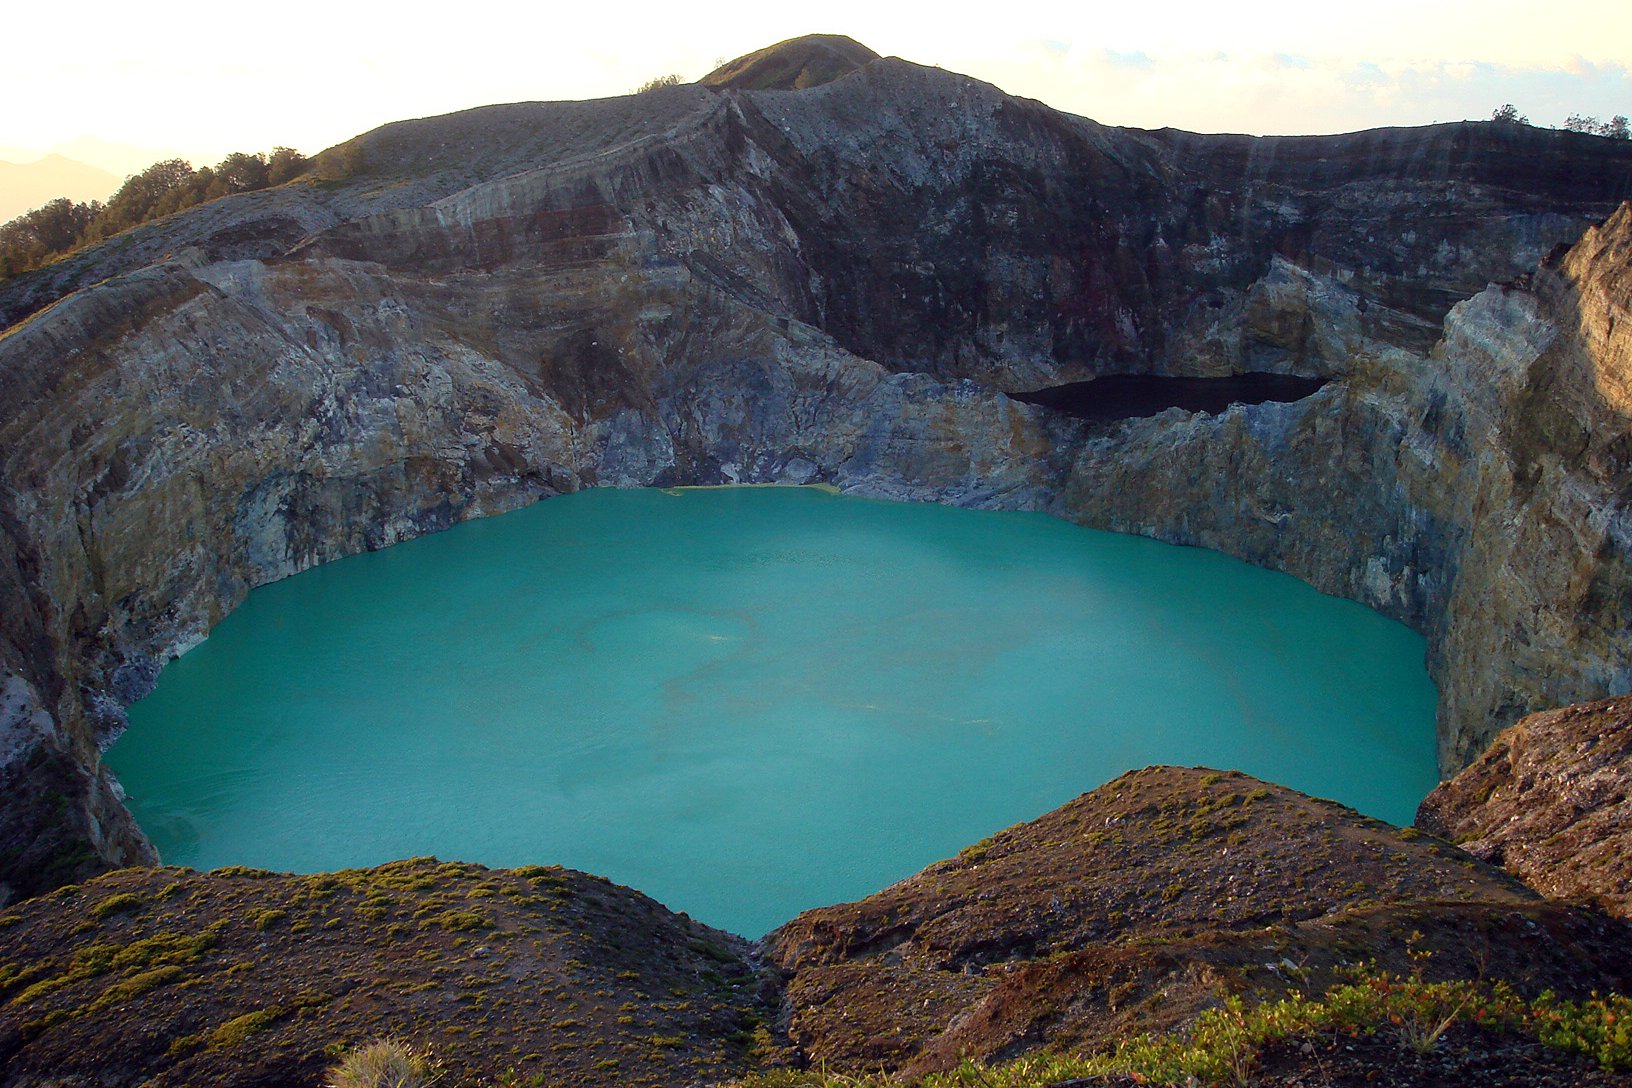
(467, 314)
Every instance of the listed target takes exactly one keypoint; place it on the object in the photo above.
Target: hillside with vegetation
(61, 226)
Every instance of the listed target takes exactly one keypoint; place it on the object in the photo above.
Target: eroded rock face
(1549, 802)
(462, 315)
(1139, 904)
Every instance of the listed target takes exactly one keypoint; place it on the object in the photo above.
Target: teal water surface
(748, 702)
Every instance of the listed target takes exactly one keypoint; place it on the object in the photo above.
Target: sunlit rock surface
(1549, 801)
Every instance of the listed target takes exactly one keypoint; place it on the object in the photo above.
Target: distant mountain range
(26, 186)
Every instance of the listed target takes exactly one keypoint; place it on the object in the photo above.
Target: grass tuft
(383, 1063)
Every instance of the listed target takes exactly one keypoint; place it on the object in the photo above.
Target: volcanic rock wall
(461, 315)
(1476, 493)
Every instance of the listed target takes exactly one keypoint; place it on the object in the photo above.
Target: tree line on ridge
(61, 226)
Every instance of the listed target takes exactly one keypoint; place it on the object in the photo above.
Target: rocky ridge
(1144, 902)
(1132, 908)
(461, 315)
(244, 977)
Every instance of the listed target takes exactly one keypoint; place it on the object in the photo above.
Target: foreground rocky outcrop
(1146, 901)
(1130, 909)
(243, 977)
(461, 315)
(1549, 802)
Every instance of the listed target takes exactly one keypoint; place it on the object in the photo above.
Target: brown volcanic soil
(170, 977)
(1140, 904)
(1551, 801)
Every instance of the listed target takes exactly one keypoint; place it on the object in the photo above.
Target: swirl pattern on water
(747, 702)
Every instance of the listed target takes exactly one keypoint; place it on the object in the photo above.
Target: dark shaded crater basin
(1130, 396)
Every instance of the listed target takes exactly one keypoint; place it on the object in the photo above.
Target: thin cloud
(1135, 62)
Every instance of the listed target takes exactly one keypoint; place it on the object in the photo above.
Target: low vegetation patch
(1228, 1045)
(115, 904)
(239, 1028)
(535, 977)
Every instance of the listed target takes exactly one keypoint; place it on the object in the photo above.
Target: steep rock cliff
(1477, 493)
(461, 315)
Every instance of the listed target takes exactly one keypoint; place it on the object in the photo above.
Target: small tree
(240, 172)
(1509, 115)
(1615, 128)
(284, 164)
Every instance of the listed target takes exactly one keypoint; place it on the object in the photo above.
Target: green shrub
(1600, 1028)
(128, 988)
(461, 921)
(266, 919)
(657, 83)
(113, 904)
(239, 1028)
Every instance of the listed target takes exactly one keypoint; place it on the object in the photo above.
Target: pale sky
(120, 84)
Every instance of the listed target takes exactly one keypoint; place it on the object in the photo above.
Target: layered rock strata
(1476, 493)
(461, 315)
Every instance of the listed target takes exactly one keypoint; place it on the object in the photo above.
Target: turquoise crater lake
(747, 702)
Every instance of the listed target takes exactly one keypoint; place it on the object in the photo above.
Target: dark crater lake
(750, 701)
(1129, 396)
